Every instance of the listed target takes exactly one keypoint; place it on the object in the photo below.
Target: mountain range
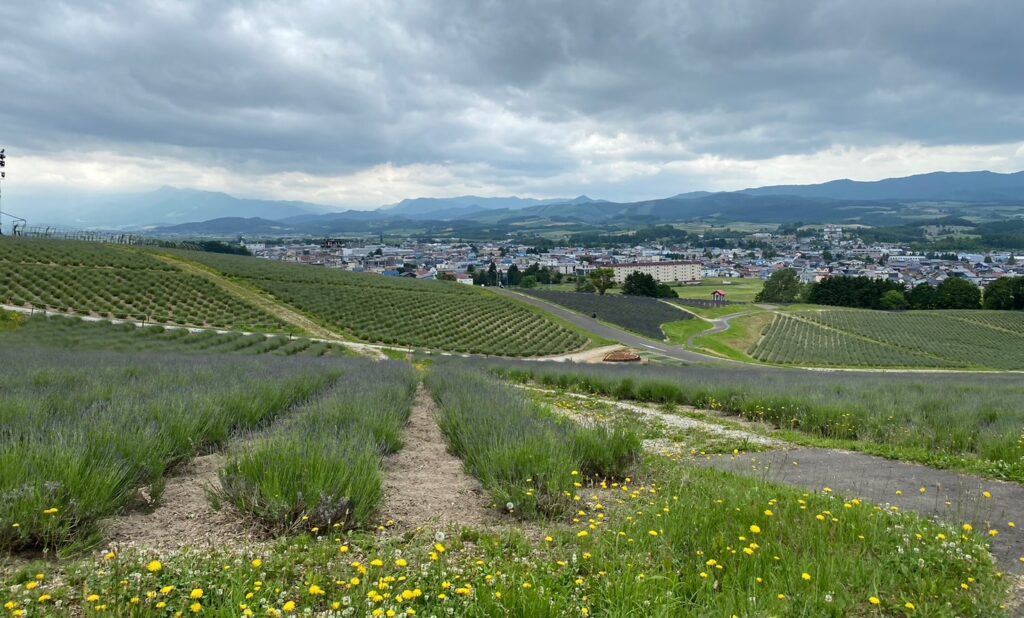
(171, 211)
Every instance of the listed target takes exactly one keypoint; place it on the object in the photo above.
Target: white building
(663, 272)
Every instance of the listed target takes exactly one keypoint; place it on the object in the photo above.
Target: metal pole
(3, 175)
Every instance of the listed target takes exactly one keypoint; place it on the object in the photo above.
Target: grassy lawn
(738, 290)
(714, 312)
(680, 332)
(743, 333)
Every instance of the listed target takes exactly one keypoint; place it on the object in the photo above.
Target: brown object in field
(622, 356)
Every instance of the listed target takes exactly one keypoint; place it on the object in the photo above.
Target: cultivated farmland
(578, 534)
(69, 333)
(396, 311)
(960, 339)
(82, 431)
(116, 282)
(636, 313)
(321, 468)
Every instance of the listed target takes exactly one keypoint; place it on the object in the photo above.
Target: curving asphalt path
(601, 329)
(719, 325)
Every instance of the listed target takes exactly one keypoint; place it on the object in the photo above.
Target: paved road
(615, 334)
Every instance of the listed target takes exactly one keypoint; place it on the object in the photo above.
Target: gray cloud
(516, 88)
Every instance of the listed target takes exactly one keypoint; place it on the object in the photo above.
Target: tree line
(784, 286)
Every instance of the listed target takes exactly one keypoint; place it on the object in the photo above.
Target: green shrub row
(526, 456)
(321, 468)
(80, 432)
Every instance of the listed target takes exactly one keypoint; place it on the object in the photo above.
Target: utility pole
(3, 175)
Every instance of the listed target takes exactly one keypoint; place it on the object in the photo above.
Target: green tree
(602, 279)
(640, 284)
(782, 287)
(1006, 293)
(492, 275)
(528, 282)
(514, 276)
(894, 300)
(583, 284)
(957, 293)
(922, 296)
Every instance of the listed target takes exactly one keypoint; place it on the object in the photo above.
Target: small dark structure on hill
(622, 356)
(718, 295)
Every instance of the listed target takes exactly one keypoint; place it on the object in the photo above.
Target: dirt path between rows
(183, 515)
(425, 485)
(949, 496)
(254, 297)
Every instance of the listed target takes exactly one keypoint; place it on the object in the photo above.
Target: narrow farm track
(262, 301)
(949, 496)
(426, 485)
(183, 515)
(674, 420)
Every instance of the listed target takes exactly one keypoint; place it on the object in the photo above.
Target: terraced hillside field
(74, 334)
(940, 339)
(396, 311)
(118, 282)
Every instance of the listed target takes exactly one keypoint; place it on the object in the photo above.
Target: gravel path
(949, 496)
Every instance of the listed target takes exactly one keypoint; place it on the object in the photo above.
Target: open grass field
(941, 339)
(112, 281)
(636, 313)
(737, 290)
(75, 334)
(965, 421)
(404, 312)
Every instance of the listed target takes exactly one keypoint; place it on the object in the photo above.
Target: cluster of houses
(830, 253)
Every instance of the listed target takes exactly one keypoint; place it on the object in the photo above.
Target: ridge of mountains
(172, 211)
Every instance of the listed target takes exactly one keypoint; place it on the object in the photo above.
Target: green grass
(112, 281)
(738, 290)
(81, 431)
(714, 312)
(743, 333)
(963, 421)
(321, 468)
(68, 333)
(397, 311)
(940, 339)
(679, 333)
(681, 542)
(520, 452)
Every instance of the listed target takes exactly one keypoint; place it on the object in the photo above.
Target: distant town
(825, 252)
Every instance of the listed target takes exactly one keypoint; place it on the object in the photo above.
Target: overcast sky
(358, 104)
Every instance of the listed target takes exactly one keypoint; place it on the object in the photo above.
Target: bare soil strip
(949, 496)
(183, 515)
(426, 485)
